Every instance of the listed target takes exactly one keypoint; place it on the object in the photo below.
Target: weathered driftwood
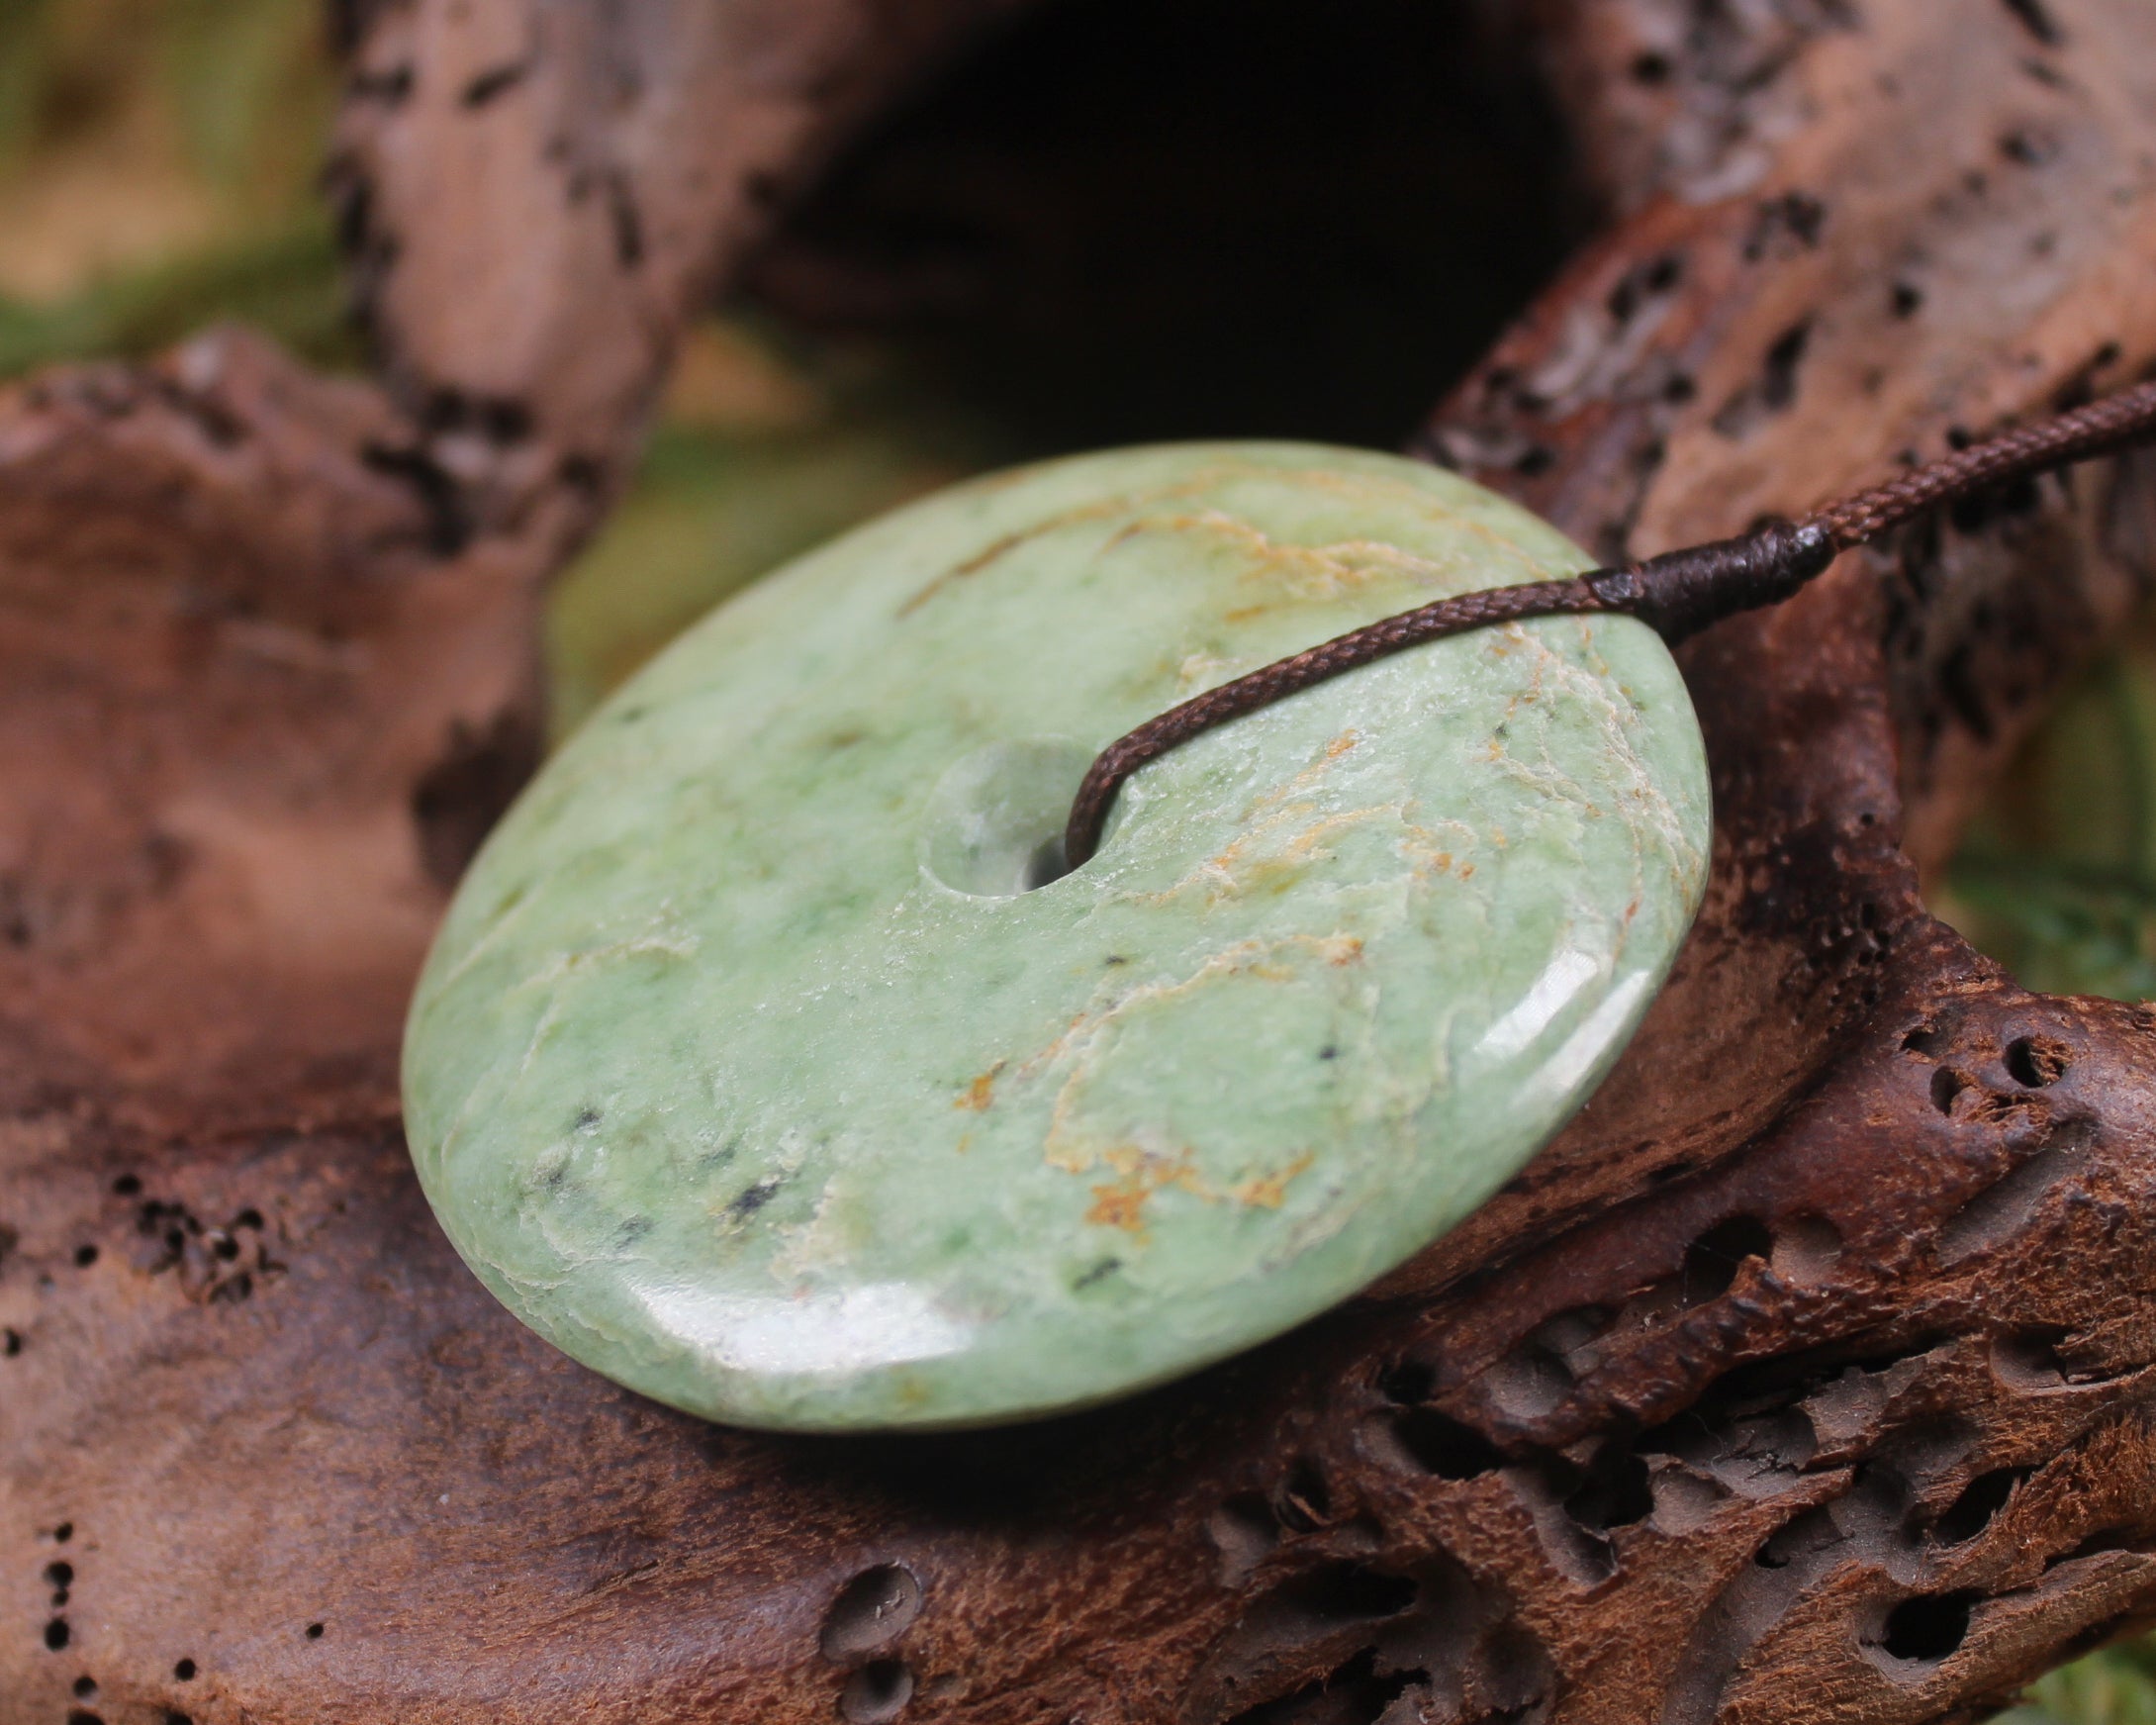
(1806, 1377)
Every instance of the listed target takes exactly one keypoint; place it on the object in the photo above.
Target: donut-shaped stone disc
(748, 1070)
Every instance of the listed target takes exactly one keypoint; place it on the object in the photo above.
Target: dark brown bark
(1807, 1376)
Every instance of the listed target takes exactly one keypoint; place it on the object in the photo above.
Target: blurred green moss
(237, 92)
(158, 161)
(2056, 877)
(769, 447)
(282, 279)
(2116, 1687)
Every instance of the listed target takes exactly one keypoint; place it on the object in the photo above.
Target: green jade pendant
(751, 1068)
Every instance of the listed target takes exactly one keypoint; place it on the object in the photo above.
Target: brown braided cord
(2098, 429)
(1677, 593)
(1262, 687)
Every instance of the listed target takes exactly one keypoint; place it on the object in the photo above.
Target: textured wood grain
(536, 195)
(1807, 1375)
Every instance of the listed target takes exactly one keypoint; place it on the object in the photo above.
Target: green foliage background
(2057, 875)
(158, 168)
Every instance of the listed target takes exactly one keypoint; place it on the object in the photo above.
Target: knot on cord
(1680, 593)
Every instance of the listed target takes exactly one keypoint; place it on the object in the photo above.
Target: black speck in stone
(586, 1118)
(755, 1197)
(1115, 958)
(1107, 1267)
(1330, 1051)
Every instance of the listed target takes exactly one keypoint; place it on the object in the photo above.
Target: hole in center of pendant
(995, 819)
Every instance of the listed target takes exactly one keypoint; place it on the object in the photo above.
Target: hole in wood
(1343, 1593)
(1980, 1502)
(1440, 1444)
(1926, 1040)
(2027, 1361)
(1352, 1694)
(2003, 1209)
(2105, 1539)
(1244, 1531)
(2037, 1062)
(873, 1609)
(1305, 1503)
(1927, 1628)
(1946, 1085)
(1616, 1493)
(1748, 1420)
(876, 1692)
(1711, 1261)
(1804, 1248)
(1534, 1376)
(1407, 1382)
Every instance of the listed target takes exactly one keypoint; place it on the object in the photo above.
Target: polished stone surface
(746, 1070)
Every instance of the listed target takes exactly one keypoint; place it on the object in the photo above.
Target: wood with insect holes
(1804, 1376)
